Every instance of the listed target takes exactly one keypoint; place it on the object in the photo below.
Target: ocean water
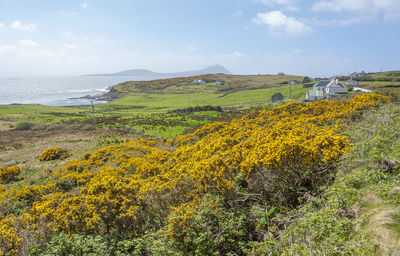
(57, 90)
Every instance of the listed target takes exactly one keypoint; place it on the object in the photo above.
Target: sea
(58, 90)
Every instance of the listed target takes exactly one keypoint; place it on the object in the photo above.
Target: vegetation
(385, 83)
(269, 182)
(54, 153)
(10, 173)
(150, 106)
(225, 172)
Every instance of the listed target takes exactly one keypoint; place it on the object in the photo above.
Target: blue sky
(310, 37)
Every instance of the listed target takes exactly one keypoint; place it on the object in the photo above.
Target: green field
(145, 106)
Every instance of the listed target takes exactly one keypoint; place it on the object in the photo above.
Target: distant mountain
(144, 72)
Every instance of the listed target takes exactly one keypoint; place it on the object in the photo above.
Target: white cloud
(237, 13)
(289, 4)
(30, 27)
(280, 24)
(238, 54)
(70, 46)
(386, 8)
(4, 49)
(28, 43)
(1, 25)
(191, 48)
(84, 5)
(64, 13)
(92, 39)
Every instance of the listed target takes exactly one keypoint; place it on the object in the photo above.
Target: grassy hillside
(299, 179)
(385, 83)
(146, 106)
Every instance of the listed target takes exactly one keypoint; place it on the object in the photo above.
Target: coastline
(111, 95)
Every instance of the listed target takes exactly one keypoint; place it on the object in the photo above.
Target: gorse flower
(144, 182)
(54, 153)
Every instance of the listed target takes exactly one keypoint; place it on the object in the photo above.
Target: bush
(306, 79)
(23, 126)
(8, 174)
(54, 153)
(75, 245)
(208, 229)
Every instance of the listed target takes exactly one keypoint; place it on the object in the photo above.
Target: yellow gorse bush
(54, 153)
(124, 186)
(9, 240)
(9, 173)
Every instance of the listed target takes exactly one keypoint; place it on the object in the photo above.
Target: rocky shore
(111, 95)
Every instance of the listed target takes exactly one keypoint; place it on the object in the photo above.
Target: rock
(12, 163)
(388, 165)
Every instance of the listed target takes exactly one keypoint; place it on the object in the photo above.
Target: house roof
(322, 83)
(278, 94)
(335, 83)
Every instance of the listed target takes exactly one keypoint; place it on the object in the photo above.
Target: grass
(42, 114)
(356, 213)
(361, 184)
(153, 100)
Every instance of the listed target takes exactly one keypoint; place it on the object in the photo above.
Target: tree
(306, 79)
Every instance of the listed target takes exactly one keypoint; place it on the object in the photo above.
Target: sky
(309, 37)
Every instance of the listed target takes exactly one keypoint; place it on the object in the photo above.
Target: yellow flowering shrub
(54, 153)
(10, 173)
(280, 153)
(9, 240)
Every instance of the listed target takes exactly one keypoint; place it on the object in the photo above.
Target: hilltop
(148, 73)
(184, 85)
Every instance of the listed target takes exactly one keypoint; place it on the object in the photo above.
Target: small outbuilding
(277, 97)
(219, 82)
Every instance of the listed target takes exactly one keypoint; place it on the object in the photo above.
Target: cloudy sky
(307, 37)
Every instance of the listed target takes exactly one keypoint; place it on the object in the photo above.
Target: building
(321, 85)
(326, 89)
(352, 82)
(314, 95)
(219, 82)
(335, 87)
(361, 75)
(198, 81)
(277, 97)
(362, 90)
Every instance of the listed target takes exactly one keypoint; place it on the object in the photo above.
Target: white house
(362, 74)
(219, 82)
(321, 85)
(326, 89)
(335, 87)
(198, 81)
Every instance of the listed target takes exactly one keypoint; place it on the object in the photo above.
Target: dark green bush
(23, 126)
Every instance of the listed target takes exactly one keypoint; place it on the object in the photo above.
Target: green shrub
(23, 126)
(74, 245)
(214, 230)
